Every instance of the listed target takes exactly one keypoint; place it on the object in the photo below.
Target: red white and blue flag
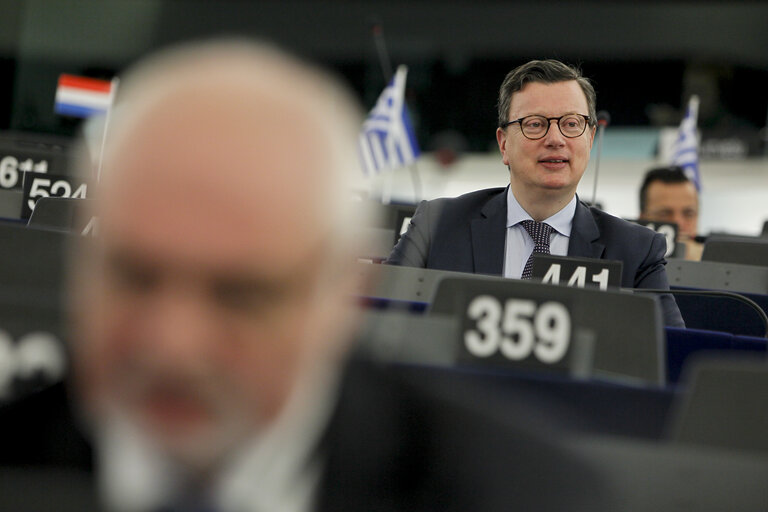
(79, 96)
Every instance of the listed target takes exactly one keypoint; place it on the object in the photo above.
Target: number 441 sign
(577, 272)
(37, 185)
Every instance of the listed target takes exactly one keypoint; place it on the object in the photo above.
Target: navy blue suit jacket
(468, 234)
(397, 440)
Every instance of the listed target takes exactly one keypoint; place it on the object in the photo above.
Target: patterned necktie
(539, 232)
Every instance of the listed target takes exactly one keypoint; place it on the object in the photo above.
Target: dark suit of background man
(546, 127)
(213, 320)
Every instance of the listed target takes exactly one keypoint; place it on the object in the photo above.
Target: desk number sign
(12, 170)
(510, 323)
(577, 272)
(517, 329)
(36, 358)
(669, 230)
(37, 185)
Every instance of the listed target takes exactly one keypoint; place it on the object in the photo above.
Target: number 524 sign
(37, 185)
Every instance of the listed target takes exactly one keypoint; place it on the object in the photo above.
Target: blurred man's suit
(393, 443)
(467, 234)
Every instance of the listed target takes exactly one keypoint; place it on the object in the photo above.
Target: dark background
(645, 58)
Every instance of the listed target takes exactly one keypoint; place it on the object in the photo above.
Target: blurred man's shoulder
(45, 462)
(39, 429)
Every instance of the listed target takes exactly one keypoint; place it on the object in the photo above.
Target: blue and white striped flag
(387, 140)
(685, 151)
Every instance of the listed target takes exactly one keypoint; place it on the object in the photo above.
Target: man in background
(546, 126)
(667, 195)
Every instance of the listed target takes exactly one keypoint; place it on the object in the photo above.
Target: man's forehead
(216, 172)
(208, 233)
(549, 98)
(223, 141)
(678, 191)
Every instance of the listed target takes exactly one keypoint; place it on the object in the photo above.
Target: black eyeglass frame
(549, 123)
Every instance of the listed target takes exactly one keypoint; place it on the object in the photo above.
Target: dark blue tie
(539, 233)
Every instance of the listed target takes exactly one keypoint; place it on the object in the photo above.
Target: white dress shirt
(519, 245)
(276, 470)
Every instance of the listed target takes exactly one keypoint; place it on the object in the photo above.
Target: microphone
(603, 119)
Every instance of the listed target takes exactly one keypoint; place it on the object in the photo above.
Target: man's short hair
(668, 174)
(547, 72)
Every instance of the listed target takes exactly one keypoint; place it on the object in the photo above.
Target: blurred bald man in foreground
(215, 301)
(213, 317)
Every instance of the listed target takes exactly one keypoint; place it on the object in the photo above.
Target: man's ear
(501, 139)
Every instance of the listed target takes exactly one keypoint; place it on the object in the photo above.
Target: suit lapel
(489, 236)
(584, 241)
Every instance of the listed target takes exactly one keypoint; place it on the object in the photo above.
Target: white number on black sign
(9, 172)
(10, 168)
(578, 278)
(33, 353)
(519, 329)
(42, 187)
(669, 233)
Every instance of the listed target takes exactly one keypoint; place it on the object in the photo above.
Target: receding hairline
(231, 65)
(268, 73)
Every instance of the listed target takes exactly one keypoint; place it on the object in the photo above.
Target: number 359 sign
(515, 330)
(37, 185)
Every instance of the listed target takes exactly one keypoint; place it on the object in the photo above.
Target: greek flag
(685, 151)
(387, 140)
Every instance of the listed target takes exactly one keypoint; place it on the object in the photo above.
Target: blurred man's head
(667, 195)
(218, 276)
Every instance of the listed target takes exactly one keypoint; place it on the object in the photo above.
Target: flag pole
(386, 68)
(112, 92)
(381, 49)
(765, 135)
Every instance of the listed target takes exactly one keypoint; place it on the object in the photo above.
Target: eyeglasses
(536, 127)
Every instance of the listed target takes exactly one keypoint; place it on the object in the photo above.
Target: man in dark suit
(213, 321)
(492, 231)
(392, 443)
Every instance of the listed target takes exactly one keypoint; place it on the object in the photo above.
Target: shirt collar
(274, 470)
(561, 221)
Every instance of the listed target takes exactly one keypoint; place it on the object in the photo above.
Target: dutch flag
(79, 96)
